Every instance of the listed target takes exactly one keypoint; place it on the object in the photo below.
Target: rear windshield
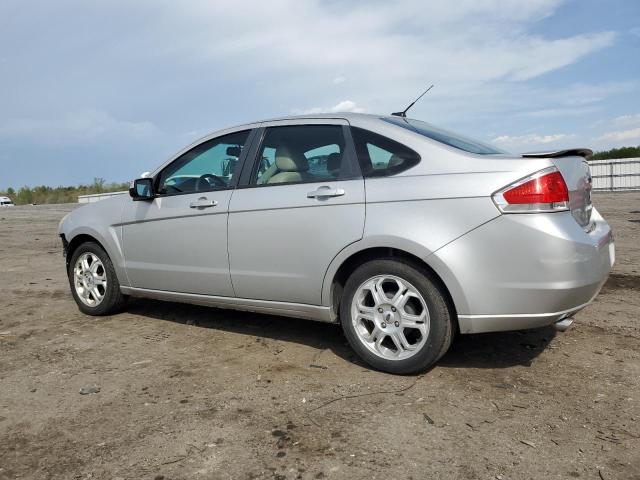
(443, 136)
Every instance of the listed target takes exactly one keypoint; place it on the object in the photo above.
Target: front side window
(381, 156)
(300, 154)
(209, 166)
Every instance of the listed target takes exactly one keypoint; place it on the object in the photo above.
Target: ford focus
(403, 233)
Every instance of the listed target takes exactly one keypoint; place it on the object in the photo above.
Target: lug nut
(397, 324)
(393, 309)
(380, 309)
(383, 325)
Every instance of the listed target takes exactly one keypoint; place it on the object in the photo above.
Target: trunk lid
(574, 168)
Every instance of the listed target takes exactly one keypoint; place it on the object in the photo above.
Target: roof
(339, 115)
(349, 116)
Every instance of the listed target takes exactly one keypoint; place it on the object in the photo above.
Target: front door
(302, 204)
(178, 241)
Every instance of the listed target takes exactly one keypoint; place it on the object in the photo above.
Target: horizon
(136, 83)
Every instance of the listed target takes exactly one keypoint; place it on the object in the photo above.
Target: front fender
(101, 221)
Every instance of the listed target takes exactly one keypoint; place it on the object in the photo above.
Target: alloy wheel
(90, 279)
(390, 317)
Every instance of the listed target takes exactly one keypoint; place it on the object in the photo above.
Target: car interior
(312, 154)
(291, 154)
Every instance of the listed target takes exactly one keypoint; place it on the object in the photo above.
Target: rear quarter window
(445, 137)
(380, 156)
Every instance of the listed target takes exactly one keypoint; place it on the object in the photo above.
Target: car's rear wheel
(395, 316)
(93, 281)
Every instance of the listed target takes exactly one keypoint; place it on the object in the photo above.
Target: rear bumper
(500, 323)
(526, 271)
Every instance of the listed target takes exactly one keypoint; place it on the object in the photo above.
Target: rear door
(178, 241)
(300, 204)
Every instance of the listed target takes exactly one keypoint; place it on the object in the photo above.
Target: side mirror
(142, 189)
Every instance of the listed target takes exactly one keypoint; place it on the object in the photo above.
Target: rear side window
(443, 136)
(380, 156)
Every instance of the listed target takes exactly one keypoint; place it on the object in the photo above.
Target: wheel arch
(347, 262)
(74, 239)
(75, 242)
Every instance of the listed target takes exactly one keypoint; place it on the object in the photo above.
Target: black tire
(113, 301)
(441, 330)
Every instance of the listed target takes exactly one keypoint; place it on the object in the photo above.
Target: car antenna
(403, 114)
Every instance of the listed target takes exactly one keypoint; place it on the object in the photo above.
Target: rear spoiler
(570, 152)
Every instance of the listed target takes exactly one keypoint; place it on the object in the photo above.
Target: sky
(113, 88)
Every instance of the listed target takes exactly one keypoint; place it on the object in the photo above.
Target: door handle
(325, 191)
(203, 202)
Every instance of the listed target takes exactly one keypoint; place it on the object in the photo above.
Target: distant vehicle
(6, 202)
(401, 232)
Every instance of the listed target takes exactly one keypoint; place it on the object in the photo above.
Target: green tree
(614, 153)
(24, 196)
(45, 194)
(98, 184)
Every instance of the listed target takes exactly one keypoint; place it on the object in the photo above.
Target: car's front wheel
(395, 317)
(93, 281)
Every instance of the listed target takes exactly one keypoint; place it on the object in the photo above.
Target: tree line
(44, 194)
(624, 152)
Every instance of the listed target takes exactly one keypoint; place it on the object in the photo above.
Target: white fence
(622, 174)
(97, 197)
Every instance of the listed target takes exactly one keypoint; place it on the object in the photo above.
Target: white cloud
(381, 46)
(620, 136)
(338, 80)
(624, 120)
(560, 112)
(544, 56)
(343, 106)
(532, 139)
(78, 127)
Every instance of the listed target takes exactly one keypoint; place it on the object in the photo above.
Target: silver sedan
(403, 233)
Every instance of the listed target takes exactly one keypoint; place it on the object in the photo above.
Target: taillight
(544, 191)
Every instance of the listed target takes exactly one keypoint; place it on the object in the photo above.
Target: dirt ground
(191, 392)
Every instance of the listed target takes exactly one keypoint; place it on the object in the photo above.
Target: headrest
(394, 161)
(233, 151)
(334, 161)
(288, 160)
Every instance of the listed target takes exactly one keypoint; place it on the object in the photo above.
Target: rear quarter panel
(425, 208)
(420, 214)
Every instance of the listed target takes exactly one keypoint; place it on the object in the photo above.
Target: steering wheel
(208, 180)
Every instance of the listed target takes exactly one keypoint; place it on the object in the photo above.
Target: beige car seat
(292, 166)
(394, 161)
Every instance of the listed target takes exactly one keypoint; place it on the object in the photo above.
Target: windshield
(443, 136)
